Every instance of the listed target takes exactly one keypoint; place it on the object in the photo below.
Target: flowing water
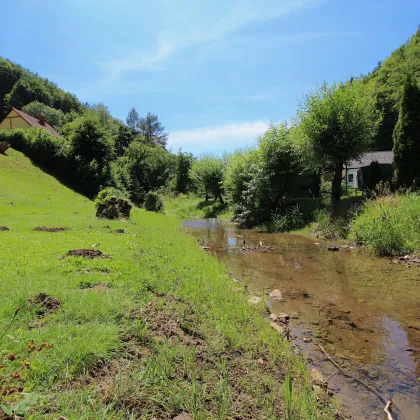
(364, 311)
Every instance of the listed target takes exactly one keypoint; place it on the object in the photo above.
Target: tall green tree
(337, 125)
(152, 130)
(91, 148)
(133, 119)
(407, 136)
(207, 173)
(183, 165)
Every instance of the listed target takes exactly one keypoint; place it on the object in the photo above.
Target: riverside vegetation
(148, 325)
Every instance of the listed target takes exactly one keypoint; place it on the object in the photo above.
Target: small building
(369, 170)
(19, 119)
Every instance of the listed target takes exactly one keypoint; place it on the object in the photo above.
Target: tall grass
(389, 224)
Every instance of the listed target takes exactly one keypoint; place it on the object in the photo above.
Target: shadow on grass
(212, 209)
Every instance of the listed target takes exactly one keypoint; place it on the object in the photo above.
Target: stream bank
(362, 310)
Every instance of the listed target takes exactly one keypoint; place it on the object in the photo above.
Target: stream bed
(364, 311)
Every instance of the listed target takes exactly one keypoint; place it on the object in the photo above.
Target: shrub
(389, 224)
(153, 202)
(107, 193)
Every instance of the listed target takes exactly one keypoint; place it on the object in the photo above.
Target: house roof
(33, 122)
(383, 158)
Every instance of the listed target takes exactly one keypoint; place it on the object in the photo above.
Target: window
(350, 177)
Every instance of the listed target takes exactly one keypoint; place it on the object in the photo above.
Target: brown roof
(33, 122)
(383, 158)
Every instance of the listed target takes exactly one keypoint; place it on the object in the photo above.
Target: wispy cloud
(217, 139)
(197, 26)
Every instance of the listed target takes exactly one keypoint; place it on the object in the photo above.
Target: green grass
(169, 333)
(389, 225)
(185, 206)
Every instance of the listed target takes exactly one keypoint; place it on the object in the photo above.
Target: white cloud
(218, 139)
(199, 23)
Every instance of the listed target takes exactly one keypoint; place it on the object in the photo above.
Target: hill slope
(155, 329)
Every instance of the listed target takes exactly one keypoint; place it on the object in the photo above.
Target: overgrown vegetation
(389, 224)
(154, 330)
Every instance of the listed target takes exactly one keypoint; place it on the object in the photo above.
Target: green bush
(107, 193)
(389, 224)
(153, 202)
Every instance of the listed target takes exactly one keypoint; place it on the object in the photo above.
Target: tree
(53, 116)
(124, 138)
(407, 136)
(152, 130)
(133, 119)
(207, 173)
(183, 166)
(144, 168)
(92, 150)
(337, 125)
(262, 183)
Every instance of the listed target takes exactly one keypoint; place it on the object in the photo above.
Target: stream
(364, 311)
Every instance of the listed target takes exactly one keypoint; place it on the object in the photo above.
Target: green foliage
(92, 148)
(288, 395)
(153, 202)
(337, 125)
(389, 224)
(183, 166)
(263, 183)
(123, 139)
(54, 117)
(144, 168)
(207, 174)
(133, 119)
(387, 80)
(407, 136)
(104, 195)
(152, 130)
(10, 73)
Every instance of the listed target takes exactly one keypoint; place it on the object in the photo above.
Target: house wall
(351, 177)
(13, 120)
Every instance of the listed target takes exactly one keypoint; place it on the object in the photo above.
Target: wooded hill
(388, 79)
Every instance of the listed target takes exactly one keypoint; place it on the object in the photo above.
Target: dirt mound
(4, 228)
(117, 231)
(88, 253)
(114, 208)
(51, 229)
(44, 303)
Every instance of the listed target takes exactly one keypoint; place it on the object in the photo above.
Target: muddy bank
(362, 310)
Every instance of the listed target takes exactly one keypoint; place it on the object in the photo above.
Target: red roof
(33, 122)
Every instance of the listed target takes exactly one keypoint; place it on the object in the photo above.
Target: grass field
(186, 206)
(155, 329)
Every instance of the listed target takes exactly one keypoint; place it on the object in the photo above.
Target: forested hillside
(96, 150)
(388, 79)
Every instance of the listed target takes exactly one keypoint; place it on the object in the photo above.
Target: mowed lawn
(154, 329)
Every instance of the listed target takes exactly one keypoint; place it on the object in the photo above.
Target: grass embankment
(156, 329)
(389, 225)
(185, 206)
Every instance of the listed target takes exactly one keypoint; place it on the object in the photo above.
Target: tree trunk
(207, 196)
(336, 188)
(219, 195)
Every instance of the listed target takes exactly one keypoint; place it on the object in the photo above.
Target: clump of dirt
(51, 229)
(3, 228)
(88, 253)
(117, 231)
(165, 325)
(44, 303)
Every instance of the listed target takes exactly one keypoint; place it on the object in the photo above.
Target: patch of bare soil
(88, 253)
(117, 231)
(3, 228)
(44, 303)
(51, 229)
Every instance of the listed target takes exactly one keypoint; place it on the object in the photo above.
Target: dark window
(351, 177)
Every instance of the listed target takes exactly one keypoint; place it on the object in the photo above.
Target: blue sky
(216, 72)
